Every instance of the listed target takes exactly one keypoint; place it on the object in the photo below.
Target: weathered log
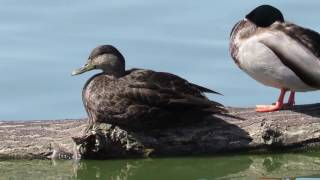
(241, 130)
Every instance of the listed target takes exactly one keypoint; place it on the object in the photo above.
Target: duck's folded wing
(170, 81)
(305, 36)
(164, 80)
(294, 54)
(166, 98)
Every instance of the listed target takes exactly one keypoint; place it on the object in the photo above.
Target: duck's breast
(103, 96)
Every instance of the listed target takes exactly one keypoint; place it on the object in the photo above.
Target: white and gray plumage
(276, 53)
(140, 98)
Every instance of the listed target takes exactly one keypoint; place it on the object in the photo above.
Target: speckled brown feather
(145, 98)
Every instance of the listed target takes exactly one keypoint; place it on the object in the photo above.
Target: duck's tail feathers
(200, 103)
(203, 89)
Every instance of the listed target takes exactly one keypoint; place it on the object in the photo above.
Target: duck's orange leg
(274, 107)
(291, 101)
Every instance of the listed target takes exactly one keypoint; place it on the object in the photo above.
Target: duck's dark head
(105, 57)
(265, 15)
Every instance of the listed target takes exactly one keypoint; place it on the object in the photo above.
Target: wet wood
(241, 130)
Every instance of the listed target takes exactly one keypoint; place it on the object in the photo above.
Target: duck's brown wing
(166, 90)
(169, 81)
(140, 99)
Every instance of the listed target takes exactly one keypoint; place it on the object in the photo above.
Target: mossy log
(241, 130)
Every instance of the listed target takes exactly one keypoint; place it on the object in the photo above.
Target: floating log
(241, 130)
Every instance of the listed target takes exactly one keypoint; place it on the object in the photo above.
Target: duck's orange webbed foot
(274, 107)
(269, 108)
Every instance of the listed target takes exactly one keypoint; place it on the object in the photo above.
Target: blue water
(43, 41)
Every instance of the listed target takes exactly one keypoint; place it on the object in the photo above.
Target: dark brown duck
(138, 97)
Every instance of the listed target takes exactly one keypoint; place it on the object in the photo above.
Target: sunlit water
(43, 41)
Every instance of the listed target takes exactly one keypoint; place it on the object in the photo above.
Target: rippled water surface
(43, 41)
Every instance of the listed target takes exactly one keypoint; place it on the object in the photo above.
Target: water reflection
(190, 168)
(271, 167)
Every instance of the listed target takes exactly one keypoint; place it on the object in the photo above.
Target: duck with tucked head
(139, 98)
(276, 53)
